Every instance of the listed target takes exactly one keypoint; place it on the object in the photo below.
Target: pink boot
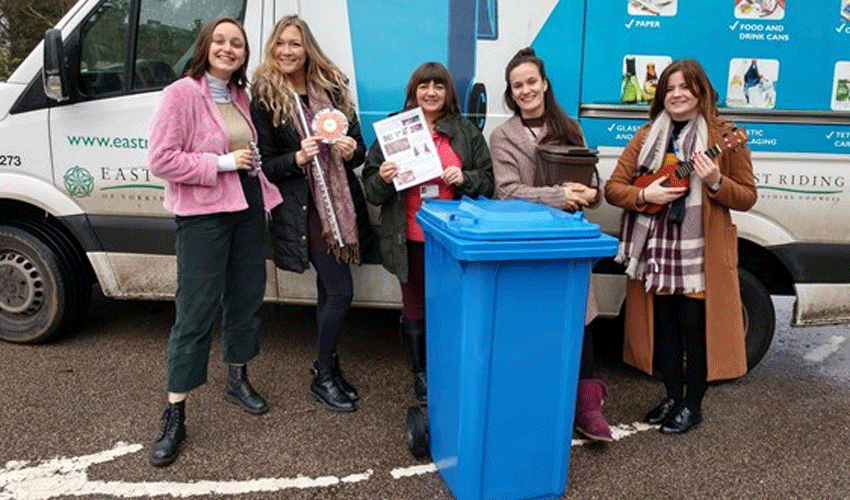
(589, 418)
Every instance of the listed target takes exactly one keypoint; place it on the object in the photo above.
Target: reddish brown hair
(698, 83)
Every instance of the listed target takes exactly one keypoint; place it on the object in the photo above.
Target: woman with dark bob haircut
(467, 170)
(200, 139)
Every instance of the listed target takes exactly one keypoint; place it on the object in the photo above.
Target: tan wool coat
(725, 342)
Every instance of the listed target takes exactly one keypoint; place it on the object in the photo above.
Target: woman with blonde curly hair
(318, 220)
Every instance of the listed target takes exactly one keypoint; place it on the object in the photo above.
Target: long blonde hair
(273, 89)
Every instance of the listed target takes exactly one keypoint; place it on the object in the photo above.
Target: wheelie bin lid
(484, 229)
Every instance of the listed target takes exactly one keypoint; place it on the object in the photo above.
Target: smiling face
(431, 97)
(289, 52)
(679, 100)
(227, 51)
(528, 89)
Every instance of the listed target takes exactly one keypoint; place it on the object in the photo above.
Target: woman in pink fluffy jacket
(200, 140)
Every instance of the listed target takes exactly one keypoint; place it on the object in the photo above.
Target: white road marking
(822, 352)
(414, 470)
(618, 432)
(621, 431)
(68, 476)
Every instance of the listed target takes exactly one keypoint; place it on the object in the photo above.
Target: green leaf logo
(79, 182)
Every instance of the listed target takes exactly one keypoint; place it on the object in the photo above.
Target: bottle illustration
(842, 90)
(751, 79)
(650, 82)
(631, 91)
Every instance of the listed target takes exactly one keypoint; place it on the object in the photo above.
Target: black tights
(335, 290)
(680, 329)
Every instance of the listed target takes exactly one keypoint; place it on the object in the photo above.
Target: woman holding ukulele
(682, 292)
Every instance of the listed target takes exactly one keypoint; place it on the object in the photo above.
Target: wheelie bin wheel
(418, 440)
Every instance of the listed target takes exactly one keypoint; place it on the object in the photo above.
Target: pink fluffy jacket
(187, 134)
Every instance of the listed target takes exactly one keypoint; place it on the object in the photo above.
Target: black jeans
(220, 264)
(680, 330)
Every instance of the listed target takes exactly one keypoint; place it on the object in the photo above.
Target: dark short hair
(200, 62)
(437, 73)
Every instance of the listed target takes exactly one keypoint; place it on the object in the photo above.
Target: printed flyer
(406, 141)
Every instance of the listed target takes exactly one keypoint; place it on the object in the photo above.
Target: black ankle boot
(173, 422)
(239, 390)
(327, 391)
(414, 337)
(349, 389)
(343, 384)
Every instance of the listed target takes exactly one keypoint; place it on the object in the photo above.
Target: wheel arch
(765, 266)
(19, 213)
(38, 193)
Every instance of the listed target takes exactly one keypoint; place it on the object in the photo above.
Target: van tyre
(73, 265)
(759, 317)
(33, 289)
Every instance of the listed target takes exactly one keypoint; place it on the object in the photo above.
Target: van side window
(166, 36)
(102, 47)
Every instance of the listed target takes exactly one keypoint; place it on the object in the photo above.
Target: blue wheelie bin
(505, 295)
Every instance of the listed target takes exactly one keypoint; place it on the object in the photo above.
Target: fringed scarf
(337, 185)
(668, 256)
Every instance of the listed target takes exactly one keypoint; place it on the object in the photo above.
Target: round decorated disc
(330, 124)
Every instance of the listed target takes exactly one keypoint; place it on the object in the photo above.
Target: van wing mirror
(54, 76)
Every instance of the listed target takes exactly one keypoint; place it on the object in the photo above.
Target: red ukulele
(679, 173)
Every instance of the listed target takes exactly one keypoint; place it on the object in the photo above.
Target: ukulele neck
(686, 167)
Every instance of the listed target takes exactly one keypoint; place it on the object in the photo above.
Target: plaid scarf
(668, 256)
(337, 187)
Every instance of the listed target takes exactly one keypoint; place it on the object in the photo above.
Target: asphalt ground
(80, 412)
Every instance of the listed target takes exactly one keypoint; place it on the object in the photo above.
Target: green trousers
(220, 266)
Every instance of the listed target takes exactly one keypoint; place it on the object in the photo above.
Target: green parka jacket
(469, 144)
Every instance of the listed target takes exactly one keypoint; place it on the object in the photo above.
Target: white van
(78, 205)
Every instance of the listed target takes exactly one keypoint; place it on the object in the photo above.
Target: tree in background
(22, 26)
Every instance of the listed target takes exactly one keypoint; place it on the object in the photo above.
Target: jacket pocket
(211, 196)
(731, 246)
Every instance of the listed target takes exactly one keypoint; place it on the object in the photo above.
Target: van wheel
(32, 288)
(73, 265)
(759, 317)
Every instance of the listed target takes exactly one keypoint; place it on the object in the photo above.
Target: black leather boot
(349, 389)
(239, 390)
(414, 336)
(327, 391)
(173, 423)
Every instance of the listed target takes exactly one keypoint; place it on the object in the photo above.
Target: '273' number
(10, 161)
